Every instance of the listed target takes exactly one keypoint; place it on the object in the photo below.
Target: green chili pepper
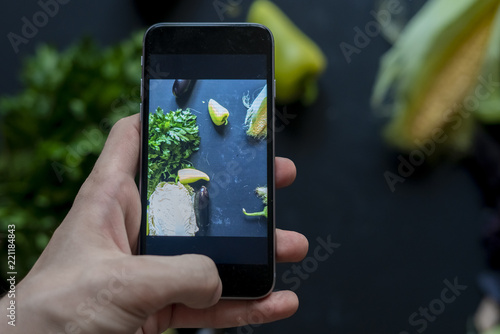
(298, 60)
(262, 193)
(255, 214)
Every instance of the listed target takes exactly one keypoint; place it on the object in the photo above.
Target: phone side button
(275, 88)
(140, 117)
(141, 89)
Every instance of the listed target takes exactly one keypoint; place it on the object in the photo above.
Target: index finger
(121, 151)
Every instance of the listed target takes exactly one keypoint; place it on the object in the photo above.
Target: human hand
(88, 279)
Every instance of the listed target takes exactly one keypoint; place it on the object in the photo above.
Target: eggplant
(181, 87)
(201, 202)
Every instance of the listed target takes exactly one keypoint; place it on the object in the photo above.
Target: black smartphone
(207, 151)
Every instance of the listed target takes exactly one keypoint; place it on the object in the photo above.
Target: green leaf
(169, 146)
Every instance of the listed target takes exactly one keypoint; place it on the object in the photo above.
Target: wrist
(23, 309)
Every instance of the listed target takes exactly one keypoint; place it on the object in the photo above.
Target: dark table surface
(394, 251)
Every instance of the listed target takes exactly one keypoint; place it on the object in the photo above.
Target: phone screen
(207, 171)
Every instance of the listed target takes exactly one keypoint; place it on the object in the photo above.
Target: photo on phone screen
(207, 161)
(207, 152)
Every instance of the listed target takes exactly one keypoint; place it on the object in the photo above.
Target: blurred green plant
(52, 132)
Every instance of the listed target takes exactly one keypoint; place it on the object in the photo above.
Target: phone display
(207, 152)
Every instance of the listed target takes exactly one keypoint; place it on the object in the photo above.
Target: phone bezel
(240, 281)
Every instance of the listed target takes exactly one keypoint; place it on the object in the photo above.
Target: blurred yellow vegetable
(298, 60)
(442, 70)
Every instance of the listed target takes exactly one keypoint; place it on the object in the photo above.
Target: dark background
(396, 248)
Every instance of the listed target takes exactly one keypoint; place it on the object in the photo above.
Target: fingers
(229, 313)
(159, 281)
(285, 172)
(290, 246)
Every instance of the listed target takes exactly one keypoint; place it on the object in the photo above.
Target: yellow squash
(190, 175)
(218, 113)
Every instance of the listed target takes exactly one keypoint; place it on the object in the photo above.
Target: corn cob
(433, 67)
(256, 118)
(489, 109)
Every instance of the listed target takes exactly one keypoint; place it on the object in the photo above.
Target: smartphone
(207, 151)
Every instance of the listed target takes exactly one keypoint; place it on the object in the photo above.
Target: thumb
(159, 281)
